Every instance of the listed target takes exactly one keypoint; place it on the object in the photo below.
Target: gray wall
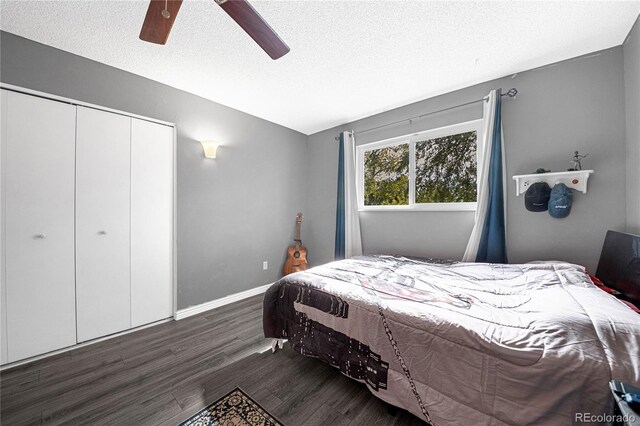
(573, 105)
(233, 212)
(236, 211)
(631, 50)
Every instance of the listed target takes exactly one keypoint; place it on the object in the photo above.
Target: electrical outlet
(265, 265)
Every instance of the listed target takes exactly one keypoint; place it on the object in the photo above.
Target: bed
(463, 343)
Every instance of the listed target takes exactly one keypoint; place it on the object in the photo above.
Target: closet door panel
(102, 223)
(151, 222)
(38, 158)
(4, 351)
(152, 156)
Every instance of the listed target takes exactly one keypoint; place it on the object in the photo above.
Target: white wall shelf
(575, 180)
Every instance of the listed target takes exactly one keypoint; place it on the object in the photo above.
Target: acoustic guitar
(297, 253)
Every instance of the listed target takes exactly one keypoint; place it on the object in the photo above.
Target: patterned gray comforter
(463, 343)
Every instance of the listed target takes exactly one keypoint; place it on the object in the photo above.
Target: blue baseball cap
(560, 201)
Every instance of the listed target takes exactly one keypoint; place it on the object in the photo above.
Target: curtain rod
(511, 93)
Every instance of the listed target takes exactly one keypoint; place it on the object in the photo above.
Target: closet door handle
(102, 232)
(40, 236)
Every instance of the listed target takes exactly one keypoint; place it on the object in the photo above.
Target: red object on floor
(595, 280)
(631, 305)
(612, 292)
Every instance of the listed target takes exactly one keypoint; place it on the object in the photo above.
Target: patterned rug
(233, 409)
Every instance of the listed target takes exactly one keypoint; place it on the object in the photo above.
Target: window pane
(386, 176)
(446, 169)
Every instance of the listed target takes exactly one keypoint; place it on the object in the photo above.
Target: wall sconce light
(210, 148)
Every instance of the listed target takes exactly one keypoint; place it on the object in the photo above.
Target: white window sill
(431, 207)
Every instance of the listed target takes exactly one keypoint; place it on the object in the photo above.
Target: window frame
(411, 140)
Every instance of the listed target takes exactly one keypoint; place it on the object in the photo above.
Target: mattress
(463, 343)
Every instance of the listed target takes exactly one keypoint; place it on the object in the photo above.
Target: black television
(619, 265)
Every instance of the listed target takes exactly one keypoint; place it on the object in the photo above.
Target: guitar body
(296, 259)
(297, 253)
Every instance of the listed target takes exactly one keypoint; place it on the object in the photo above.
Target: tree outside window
(446, 169)
(436, 169)
(386, 176)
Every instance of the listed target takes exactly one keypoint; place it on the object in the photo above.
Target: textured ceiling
(348, 59)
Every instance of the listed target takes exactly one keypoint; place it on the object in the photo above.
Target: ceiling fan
(162, 14)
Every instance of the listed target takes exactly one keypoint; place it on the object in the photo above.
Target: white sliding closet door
(151, 222)
(102, 223)
(38, 177)
(4, 351)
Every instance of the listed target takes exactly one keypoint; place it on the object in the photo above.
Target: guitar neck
(298, 233)
(298, 222)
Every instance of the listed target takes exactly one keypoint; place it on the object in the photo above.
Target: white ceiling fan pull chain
(165, 12)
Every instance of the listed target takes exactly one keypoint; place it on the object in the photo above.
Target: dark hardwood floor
(163, 374)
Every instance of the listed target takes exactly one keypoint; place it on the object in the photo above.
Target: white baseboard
(195, 310)
(81, 345)
(181, 314)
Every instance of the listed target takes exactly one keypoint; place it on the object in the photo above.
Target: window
(386, 176)
(432, 170)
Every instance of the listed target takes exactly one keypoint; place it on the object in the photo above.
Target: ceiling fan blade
(156, 26)
(250, 20)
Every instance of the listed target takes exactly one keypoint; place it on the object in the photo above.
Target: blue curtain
(493, 245)
(340, 205)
